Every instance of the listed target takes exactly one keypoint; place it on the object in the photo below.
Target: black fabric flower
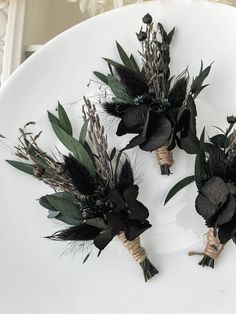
(128, 214)
(216, 203)
(153, 128)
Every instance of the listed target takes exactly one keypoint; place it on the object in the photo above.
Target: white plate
(33, 279)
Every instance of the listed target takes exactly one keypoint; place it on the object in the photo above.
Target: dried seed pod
(231, 119)
(147, 19)
(141, 35)
(39, 171)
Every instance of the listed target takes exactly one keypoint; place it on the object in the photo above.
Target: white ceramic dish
(33, 279)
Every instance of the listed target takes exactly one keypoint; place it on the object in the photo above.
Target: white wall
(47, 18)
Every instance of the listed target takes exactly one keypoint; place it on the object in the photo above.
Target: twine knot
(164, 156)
(138, 253)
(213, 246)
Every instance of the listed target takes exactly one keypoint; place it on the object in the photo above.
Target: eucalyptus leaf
(124, 57)
(52, 214)
(53, 119)
(102, 77)
(69, 212)
(75, 147)
(118, 89)
(83, 132)
(135, 65)
(27, 168)
(64, 120)
(113, 63)
(179, 186)
(43, 201)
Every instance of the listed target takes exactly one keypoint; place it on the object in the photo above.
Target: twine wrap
(138, 253)
(213, 246)
(164, 156)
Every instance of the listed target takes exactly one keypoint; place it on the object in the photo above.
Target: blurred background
(26, 25)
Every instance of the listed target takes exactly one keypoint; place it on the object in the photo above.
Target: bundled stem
(139, 255)
(212, 250)
(165, 159)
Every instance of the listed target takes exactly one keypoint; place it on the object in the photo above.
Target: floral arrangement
(160, 109)
(215, 178)
(95, 194)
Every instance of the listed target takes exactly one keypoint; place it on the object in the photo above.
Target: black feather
(79, 175)
(116, 109)
(76, 233)
(134, 84)
(126, 178)
(178, 92)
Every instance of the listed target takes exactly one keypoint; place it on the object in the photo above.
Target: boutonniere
(215, 178)
(95, 193)
(159, 108)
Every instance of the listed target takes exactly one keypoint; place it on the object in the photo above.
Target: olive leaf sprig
(160, 109)
(96, 201)
(215, 178)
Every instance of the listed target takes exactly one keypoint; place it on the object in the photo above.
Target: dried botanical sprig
(42, 166)
(158, 108)
(215, 177)
(99, 141)
(96, 200)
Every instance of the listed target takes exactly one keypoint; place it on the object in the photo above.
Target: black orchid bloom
(149, 104)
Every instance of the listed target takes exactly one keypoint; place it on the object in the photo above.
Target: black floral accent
(159, 109)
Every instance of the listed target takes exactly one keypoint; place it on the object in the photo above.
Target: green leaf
(118, 89)
(124, 57)
(113, 152)
(200, 90)
(67, 196)
(64, 120)
(43, 201)
(113, 63)
(83, 132)
(163, 33)
(220, 140)
(27, 168)
(75, 147)
(101, 77)
(53, 214)
(91, 154)
(135, 65)
(196, 86)
(170, 36)
(200, 162)
(179, 186)
(53, 119)
(69, 212)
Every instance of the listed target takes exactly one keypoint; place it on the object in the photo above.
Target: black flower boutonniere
(215, 177)
(95, 192)
(158, 108)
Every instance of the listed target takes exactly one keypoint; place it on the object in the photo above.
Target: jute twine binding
(164, 156)
(138, 253)
(213, 246)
